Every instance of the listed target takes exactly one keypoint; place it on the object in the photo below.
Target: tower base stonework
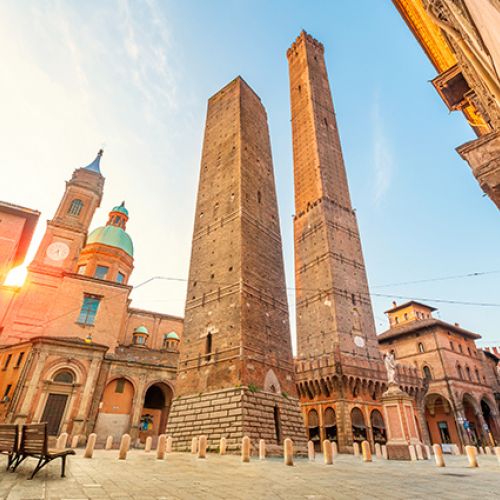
(234, 413)
(401, 423)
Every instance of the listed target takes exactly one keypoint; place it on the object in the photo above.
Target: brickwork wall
(234, 413)
(11, 229)
(333, 303)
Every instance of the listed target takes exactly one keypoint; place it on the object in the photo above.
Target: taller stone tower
(236, 374)
(335, 326)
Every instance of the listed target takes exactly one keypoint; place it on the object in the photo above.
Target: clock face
(57, 251)
(359, 341)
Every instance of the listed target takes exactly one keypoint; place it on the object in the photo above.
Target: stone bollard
(427, 452)
(413, 454)
(384, 452)
(194, 445)
(61, 441)
(438, 455)
(420, 452)
(288, 451)
(471, 456)
(355, 447)
(378, 450)
(367, 452)
(74, 441)
(488, 450)
(327, 452)
(202, 447)
(481, 450)
(497, 452)
(262, 449)
(109, 443)
(149, 444)
(162, 445)
(311, 454)
(455, 450)
(245, 449)
(168, 448)
(89, 449)
(335, 449)
(222, 446)
(124, 446)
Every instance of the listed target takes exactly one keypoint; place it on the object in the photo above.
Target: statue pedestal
(401, 423)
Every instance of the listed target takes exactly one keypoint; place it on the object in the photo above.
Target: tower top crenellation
(304, 38)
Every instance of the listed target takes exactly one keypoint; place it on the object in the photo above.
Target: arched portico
(472, 421)
(440, 420)
(155, 410)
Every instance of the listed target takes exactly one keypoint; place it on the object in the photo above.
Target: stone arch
(330, 424)
(74, 366)
(378, 427)
(358, 424)
(157, 400)
(440, 420)
(472, 410)
(488, 412)
(313, 428)
(271, 383)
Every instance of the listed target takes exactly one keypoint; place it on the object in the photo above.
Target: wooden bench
(9, 442)
(34, 443)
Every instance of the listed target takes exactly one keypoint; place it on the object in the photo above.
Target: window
(460, 373)
(139, 339)
(89, 310)
(259, 196)
(421, 347)
(100, 272)
(468, 350)
(7, 361)
(7, 390)
(75, 208)
(406, 316)
(19, 359)
(65, 377)
(452, 346)
(427, 373)
(477, 376)
(120, 278)
(396, 319)
(120, 385)
(81, 269)
(460, 348)
(467, 370)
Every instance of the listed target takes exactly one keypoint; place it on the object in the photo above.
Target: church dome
(121, 209)
(112, 236)
(171, 336)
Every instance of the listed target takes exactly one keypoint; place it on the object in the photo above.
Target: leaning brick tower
(236, 373)
(339, 365)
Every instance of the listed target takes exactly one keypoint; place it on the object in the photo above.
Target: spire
(95, 165)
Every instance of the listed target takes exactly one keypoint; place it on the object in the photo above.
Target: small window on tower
(81, 269)
(89, 310)
(120, 278)
(75, 208)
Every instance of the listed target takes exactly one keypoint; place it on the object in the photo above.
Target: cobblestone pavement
(183, 476)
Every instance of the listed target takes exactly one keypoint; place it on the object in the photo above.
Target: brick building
(460, 405)
(72, 350)
(339, 369)
(236, 373)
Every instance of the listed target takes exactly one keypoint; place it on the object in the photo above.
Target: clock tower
(66, 232)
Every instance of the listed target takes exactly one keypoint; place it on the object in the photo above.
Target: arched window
(468, 350)
(460, 373)
(467, 370)
(460, 348)
(358, 425)
(421, 347)
(64, 376)
(75, 208)
(378, 427)
(452, 345)
(478, 376)
(427, 373)
(330, 423)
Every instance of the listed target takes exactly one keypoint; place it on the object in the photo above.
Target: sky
(134, 78)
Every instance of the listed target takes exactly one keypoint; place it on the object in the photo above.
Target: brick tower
(335, 326)
(236, 373)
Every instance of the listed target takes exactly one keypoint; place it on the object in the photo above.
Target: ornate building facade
(460, 37)
(72, 350)
(461, 405)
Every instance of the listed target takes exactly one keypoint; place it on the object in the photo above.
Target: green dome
(141, 329)
(112, 236)
(171, 336)
(121, 209)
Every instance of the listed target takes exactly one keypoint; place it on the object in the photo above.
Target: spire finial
(95, 165)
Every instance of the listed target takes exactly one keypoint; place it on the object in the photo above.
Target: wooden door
(53, 412)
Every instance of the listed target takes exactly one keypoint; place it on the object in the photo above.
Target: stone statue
(390, 366)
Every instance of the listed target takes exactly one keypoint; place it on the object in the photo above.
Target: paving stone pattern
(183, 476)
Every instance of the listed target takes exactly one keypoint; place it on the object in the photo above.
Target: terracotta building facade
(73, 352)
(461, 405)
